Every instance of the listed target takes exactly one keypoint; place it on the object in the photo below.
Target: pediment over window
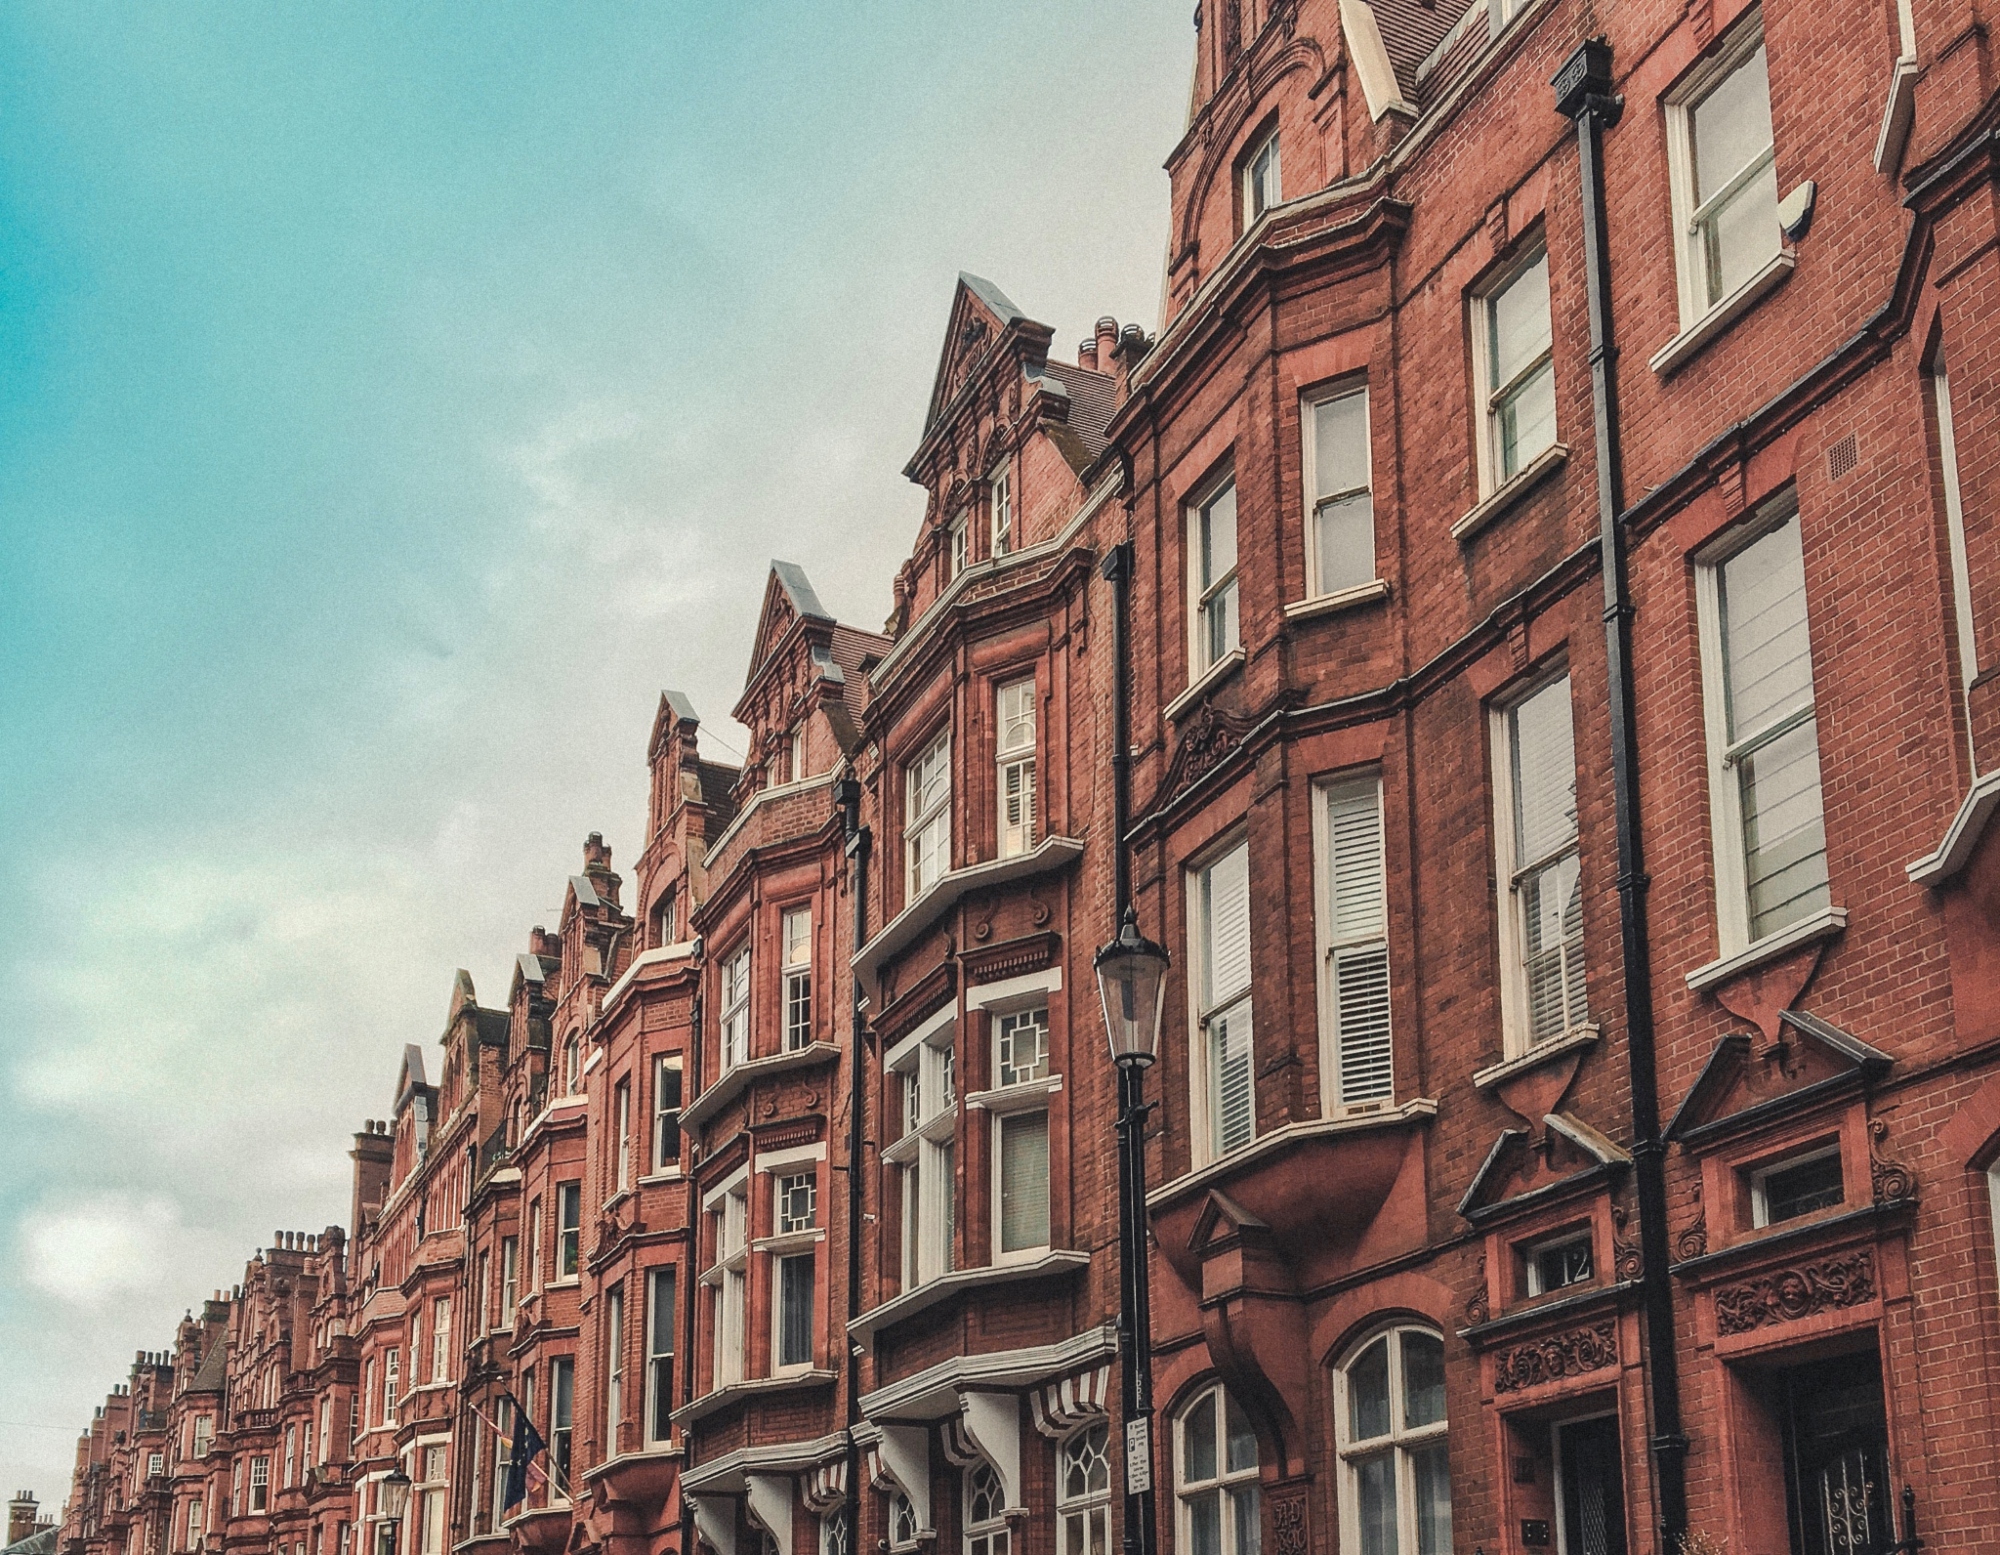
(1520, 1172)
(1222, 1225)
(1748, 1080)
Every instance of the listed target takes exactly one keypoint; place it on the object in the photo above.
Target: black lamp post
(1131, 980)
(392, 1500)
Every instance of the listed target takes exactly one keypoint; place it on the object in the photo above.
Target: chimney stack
(21, 1519)
(1107, 342)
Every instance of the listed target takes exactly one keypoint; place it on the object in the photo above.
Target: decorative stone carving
(1211, 735)
(1572, 1354)
(1892, 1179)
(1788, 1295)
(1476, 1308)
(1288, 1525)
(1627, 1261)
(1693, 1240)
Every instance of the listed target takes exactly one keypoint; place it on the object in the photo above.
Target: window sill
(1962, 837)
(1210, 678)
(1576, 1039)
(1340, 599)
(666, 1175)
(750, 1387)
(1824, 924)
(946, 1286)
(1777, 270)
(788, 1242)
(1898, 113)
(1024, 1097)
(1511, 491)
(737, 1079)
(903, 929)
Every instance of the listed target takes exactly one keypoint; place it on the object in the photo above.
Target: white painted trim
(1824, 924)
(773, 1160)
(1309, 404)
(934, 1391)
(1570, 1041)
(1217, 672)
(898, 1057)
(1340, 599)
(657, 956)
(1899, 109)
(1285, 1138)
(984, 996)
(777, 791)
(1962, 837)
(1504, 496)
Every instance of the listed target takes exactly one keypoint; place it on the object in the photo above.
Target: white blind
(1024, 1181)
(1017, 806)
(1358, 950)
(1234, 1099)
(1226, 926)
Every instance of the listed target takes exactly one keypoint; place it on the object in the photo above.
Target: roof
(586, 893)
(682, 705)
(1411, 29)
(532, 968)
(1093, 401)
(213, 1372)
(717, 783)
(798, 588)
(40, 1542)
(851, 647)
(991, 295)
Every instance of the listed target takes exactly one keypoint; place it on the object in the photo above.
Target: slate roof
(991, 295)
(1411, 29)
(40, 1543)
(1093, 401)
(799, 590)
(213, 1372)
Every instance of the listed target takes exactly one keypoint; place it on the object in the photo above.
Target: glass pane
(1198, 1441)
(1340, 445)
(1368, 1392)
(1205, 1523)
(1233, 1099)
(1527, 421)
(1804, 1189)
(1218, 536)
(1073, 1540)
(1361, 1002)
(1226, 915)
(1241, 1454)
(1431, 1469)
(1731, 125)
(1544, 773)
(1219, 632)
(1784, 831)
(1423, 1380)
(1345, 541)
(1249, 1530)
(1767, 652)
(1742, 233)
(1552, 931)
(1375, 1482)
(1024, 1181)
(1520, 322)
(796, 1309)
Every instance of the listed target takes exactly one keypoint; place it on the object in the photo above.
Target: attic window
(1261, 187)
(1799, 1186)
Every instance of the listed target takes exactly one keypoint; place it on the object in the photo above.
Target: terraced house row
(1547, 561)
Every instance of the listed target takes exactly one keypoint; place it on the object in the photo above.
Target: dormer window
(1260, 179)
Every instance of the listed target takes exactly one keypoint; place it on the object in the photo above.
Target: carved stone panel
(1288, 1523)
(1572, 1354)
(1787, 1295)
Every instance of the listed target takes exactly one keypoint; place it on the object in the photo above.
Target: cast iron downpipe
(1135, 1318)
(1584, 94)
(848, 798)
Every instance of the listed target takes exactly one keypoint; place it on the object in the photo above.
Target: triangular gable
(1221, 1222)
(411, 1075)
(675, 708)
(980, 313)
(788, 597)
(462, 998)
(1516, 1172)
(1742, 1083)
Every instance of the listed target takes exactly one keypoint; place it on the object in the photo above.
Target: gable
(789, 597)
(1519, 1170)
(1747, 1079)
(980, 314)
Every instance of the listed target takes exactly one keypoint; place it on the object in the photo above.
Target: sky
(394, 399)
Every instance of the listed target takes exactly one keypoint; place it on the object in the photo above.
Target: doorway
(1836, 1456)
(1590, 1480)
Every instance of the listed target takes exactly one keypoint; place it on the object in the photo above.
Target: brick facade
(781, 1190)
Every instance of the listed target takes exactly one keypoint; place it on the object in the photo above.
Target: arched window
(1216, 1477)
(902, 1522)
(572, 1067)
(985, 1527)
(1083, 1491)
(1389, 1418)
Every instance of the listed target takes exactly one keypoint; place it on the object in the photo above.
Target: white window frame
(1690, 249)
(441, 1339)
(1513, 873)
(1000, 508)
(1725, 789)
(1532, 1255)
(1490, 396)
(614, 1365)
(197, 1523)
(392, 1379)
(1083, 1516)
(924, 1066)
(1316, 500)
(795, 762)
(569, 1233)
(736, 1007)
(958, 544)
(260, 1484)
(927, 820)
(1263, 183)
(510, 1278)
(728, 1208)
(1015, 722)
(204, 1434)
(1205, 1006)
(572, 1065)
(621, 1115)
(482, 1311)
(562, 1429)
(1402, 1440)
(795, 938)
(987, 1535)
(1760, 1204)
(1223, 591)
(1014, 1103)
(1338, 948)
(1961, 566)
(667, 1119)
(1227, 1484)
(659, 1362)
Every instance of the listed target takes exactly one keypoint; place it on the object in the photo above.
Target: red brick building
(1578, 1109)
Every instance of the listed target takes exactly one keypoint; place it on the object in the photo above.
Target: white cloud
(92, 1249)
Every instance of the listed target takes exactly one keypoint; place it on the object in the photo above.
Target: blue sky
(393, 399)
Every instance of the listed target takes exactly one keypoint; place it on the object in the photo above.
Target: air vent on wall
(1842, 457)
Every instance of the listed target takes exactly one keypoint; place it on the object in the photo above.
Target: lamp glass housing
(394, 1494)
(1131, 980)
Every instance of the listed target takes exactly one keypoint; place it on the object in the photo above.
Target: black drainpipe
(848, 798)
(688, 1277)
(1584, 94)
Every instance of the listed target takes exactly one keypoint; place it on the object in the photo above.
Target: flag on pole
(526, 1446)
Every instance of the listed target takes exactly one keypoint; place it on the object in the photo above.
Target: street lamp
(393, 1494)
(1131, 981)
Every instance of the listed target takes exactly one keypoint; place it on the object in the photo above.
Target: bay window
(1353, 933)
(1213, 628)
(1340, 521)
(1763, 739)
(614, 1366)
(1014, 754)
(260, 1482)
(927, 817)
(1019, 1104)
(666, 1111)
(1389, 1418)
(798, 951)
(430, 1498)
(1219, 903)
(659, 1356)
(1541, 902)
(441, 1340)
(621, 1112)
(562, 1406)
(392, 1384)
(510, 1251)
(728, 1277)
(1262, 186)
(1001, 483)
(923, 1068)
(736, 1009)
(794, 1220)
(569, 1228)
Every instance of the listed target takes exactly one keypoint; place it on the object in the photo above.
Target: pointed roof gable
(788, 597)
(1516, 1174)
(1741, 1085)
(411, 1075)
(980, 313)
(675, 707)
